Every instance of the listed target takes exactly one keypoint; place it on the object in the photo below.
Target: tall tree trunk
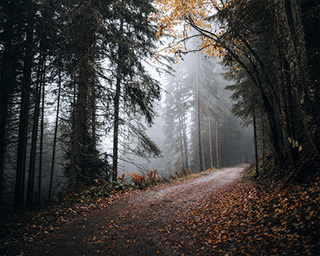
(185, 143)
(80, 115)
(199, 118)
(293, 44)
(255, 141)
(55, 138)
(116, 130)
(285, 104)
(210, 144)
(34, 138)
(8, 83)
(202, 149)
(263, 141)
(217, 145)
(224, 143)
(116, 109)
(93, 104)
(181, 143)
(24, 110)
(41, 139)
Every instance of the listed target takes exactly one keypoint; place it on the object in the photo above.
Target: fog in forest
(195, 87)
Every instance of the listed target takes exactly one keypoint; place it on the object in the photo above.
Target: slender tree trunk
(210, 144)
(93, 121)
(41, 139)
(34, 138)
(263, 141)
(5, 94)
(55, 139)
(255, 142)
(181, 143)
(116, 109)
(116, 130)
(203, 155)
(217, 145)
(199, 118)
(185, 143)
(24, 111)
(224, 143)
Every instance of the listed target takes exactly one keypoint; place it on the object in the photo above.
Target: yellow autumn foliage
(177, 18)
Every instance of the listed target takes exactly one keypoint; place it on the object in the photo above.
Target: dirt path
(141, 224)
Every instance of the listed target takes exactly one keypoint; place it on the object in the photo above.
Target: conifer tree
(133, 41)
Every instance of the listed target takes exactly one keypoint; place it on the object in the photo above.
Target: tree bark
(217, 145)
(80, 115)
(285, 105)
(6, 90)
(116, 109)
(55, 138)
(201, 167)
(210, 144)
(34, 138)
(255, 142)
(41, 139)
(294, 48)
(24, 111)
(185, 143)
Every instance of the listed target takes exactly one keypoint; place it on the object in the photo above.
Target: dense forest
(75, 76)
(71, 71)
(271, 50)
(200, 133)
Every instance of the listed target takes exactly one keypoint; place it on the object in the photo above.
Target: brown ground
(144, 223)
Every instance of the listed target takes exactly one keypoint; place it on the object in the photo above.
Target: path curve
(141, 224)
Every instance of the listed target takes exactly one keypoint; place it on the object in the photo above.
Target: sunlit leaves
(178, 20)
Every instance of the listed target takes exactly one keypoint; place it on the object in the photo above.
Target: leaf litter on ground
(238, 219)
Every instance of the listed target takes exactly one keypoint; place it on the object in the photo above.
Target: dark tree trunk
(201, 167)
(293, 45)
(8, 74)
(24, 111)
(80, 115)
(116, 130)
(41, 139)
(286, 114)
(255, 141)
(263, 141)
(34, 138)
(55, 139)
(6, 83)
(116, 110)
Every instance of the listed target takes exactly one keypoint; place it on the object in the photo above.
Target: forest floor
(220, 213)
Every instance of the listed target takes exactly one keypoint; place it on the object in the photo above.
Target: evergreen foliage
(75, 53)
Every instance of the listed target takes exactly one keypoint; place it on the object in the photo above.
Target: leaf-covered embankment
(242, 219)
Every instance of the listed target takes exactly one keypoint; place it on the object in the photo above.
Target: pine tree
(133, 41)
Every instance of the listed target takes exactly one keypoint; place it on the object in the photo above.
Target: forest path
(144, 223)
